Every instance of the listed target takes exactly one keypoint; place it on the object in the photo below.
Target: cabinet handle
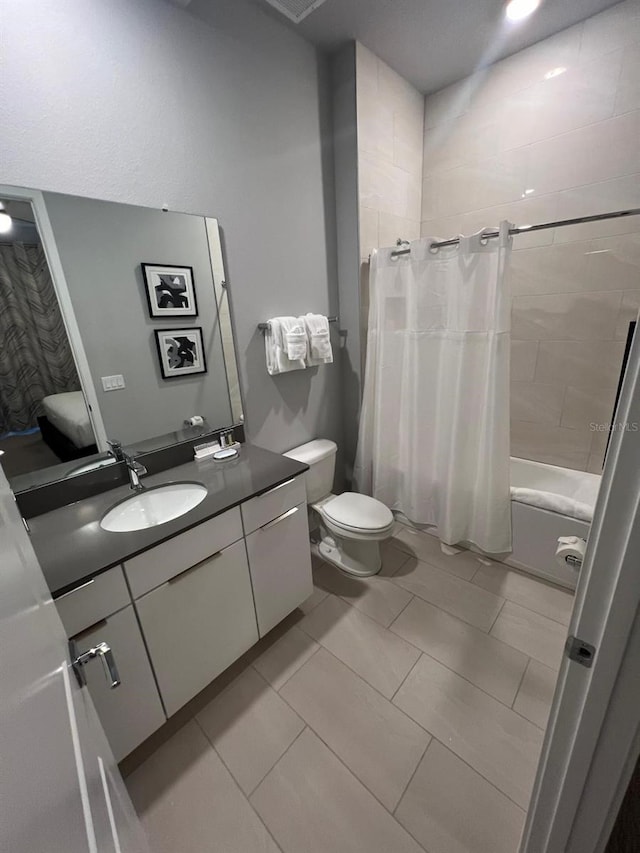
(275, 488)
(100, 650)
(75, 589)
(193, 568)
(280, 518)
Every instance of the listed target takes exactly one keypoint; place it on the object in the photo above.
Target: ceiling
(433, 43)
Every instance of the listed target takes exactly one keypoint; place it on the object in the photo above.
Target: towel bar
(264, 326)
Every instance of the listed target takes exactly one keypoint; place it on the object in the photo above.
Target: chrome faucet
(136, 470)
(115, 449)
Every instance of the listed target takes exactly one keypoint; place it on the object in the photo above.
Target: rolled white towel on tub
(553, 502)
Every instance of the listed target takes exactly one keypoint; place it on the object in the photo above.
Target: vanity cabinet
(280, 563)
(181, 612)
(132, 711)
(198, 623)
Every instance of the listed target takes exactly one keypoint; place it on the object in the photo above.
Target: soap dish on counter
(226, 453)
(213, 450)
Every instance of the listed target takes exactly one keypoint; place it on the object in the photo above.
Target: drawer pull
(275, 488)
(280, 518)
(75, 589)
(90, 629)
(193, 568)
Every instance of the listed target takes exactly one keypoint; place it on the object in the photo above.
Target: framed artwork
(181, 352)
(170, 290)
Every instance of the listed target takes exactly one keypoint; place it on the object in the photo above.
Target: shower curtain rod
(526, 229)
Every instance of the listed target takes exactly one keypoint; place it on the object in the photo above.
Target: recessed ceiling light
(518, 9)
(555, 72)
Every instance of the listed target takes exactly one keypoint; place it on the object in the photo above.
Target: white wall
(138, 101)
(550, 133)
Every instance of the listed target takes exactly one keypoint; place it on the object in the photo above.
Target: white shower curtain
(434, 429)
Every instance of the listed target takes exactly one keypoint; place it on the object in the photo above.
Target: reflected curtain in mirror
(35, 357)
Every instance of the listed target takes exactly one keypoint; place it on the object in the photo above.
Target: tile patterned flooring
(403, 712)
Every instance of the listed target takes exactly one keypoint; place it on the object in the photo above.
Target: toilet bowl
(351, 525)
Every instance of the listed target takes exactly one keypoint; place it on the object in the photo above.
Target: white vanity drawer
(162, 562)
(269, 505)
(198, 624)
(92, 601)
(280, 565)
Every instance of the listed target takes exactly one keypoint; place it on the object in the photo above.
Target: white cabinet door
(199, 623)
(131, 712)
(280, 564)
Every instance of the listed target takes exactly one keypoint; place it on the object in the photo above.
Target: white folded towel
(318, 340)
(276, 354)
(294, 337)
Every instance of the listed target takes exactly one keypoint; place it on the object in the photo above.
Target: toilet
(351, 525)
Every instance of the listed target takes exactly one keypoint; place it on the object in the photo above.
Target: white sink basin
(153, 506)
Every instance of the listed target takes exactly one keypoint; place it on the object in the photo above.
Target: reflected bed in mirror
(83, 316)
(44, 418)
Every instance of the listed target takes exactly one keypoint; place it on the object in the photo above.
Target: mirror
(117, 326)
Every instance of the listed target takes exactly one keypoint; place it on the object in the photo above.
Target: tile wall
(550, 133)
(390, 117)
(390, 139)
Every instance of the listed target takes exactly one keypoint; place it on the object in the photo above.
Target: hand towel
(276, 355)
(319, 349)
(294, 337)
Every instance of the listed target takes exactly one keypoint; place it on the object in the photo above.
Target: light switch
(113, 383)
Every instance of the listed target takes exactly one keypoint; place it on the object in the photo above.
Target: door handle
(100, 650)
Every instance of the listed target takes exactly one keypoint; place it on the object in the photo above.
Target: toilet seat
(359, 514)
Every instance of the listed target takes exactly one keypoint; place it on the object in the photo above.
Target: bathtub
(547, 502)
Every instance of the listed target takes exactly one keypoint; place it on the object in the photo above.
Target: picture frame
(180, 352)
(170, 290)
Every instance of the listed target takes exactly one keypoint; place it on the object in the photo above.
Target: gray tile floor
(403, 712)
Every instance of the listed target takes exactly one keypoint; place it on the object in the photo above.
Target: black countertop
(72, 547)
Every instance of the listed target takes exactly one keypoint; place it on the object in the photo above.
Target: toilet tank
(320, 456)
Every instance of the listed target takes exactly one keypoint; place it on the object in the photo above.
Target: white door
(592, 739)
(60, 789)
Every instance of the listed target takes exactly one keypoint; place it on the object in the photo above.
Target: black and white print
(170, 290)
(181, 352)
